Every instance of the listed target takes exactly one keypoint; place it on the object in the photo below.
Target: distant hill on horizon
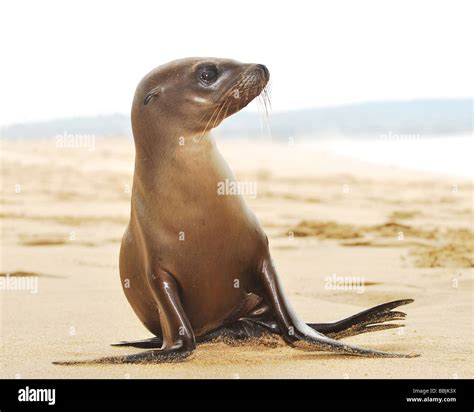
(421, 117)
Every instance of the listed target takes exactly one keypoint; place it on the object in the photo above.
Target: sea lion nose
(264, 70)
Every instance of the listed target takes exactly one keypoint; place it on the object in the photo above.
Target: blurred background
(384, 71)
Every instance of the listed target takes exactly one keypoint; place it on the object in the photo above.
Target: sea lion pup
(196, 265)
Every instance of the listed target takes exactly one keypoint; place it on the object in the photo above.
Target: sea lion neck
(153, 134)
(186, 155)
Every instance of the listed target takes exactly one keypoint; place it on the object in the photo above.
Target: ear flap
(152, 93)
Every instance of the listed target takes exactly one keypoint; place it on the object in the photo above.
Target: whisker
(208, 123)
(218, 114)
(225, 112)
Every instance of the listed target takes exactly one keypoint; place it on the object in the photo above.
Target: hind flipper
(236, 332)
(294, 331)
(369, 320)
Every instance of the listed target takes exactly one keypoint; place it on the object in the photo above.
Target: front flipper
(369, 320)
(150, 343)
(178, 338)
(150, 356)
(294, 331)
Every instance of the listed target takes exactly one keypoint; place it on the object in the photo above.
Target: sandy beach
(399, 233)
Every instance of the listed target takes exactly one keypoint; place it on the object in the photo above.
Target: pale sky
(73, 58)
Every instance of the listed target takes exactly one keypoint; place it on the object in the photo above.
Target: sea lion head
(191, 96)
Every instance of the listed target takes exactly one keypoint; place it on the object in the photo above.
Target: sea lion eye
(209, 74)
